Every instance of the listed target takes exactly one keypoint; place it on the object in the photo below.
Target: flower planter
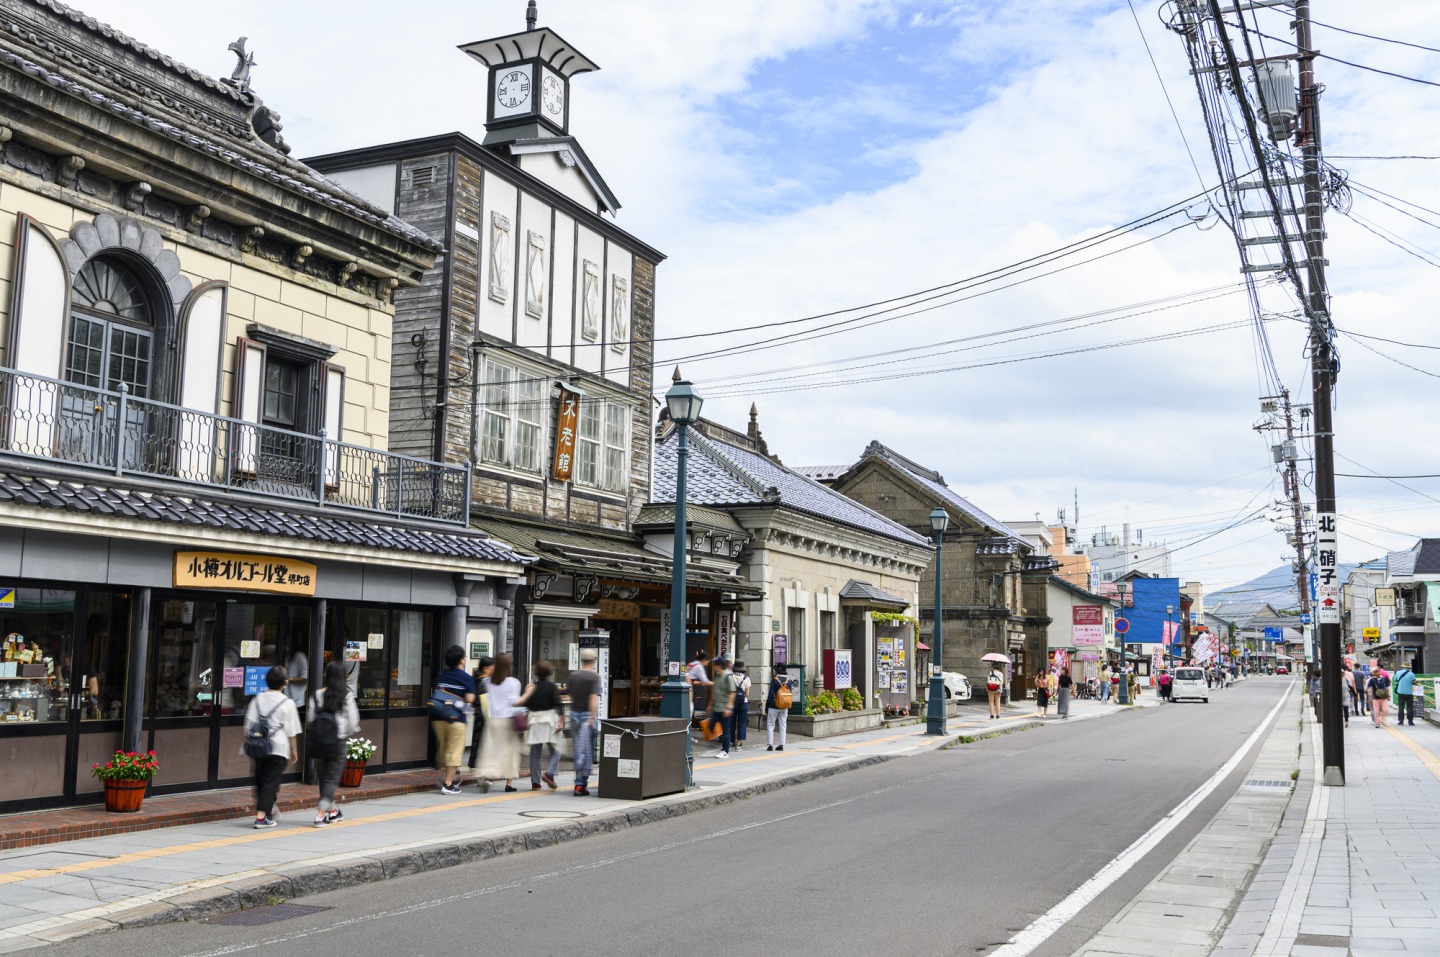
(353, 774)
(124, 797)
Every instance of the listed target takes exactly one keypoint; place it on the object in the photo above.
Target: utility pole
(1322, 363)
(1286, 457)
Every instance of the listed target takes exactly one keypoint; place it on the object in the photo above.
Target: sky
(796, 159)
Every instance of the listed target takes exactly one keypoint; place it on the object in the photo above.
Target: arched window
(112, 329)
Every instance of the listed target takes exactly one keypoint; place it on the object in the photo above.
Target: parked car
(957, 686)
(1189, 683)
(1282, 670)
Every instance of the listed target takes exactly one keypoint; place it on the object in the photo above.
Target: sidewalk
(1358, 874)
(65, 890)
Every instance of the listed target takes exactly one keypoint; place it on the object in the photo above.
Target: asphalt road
(946, 853)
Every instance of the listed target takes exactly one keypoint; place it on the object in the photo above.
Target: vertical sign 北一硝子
(568, 422)
(1327, 585)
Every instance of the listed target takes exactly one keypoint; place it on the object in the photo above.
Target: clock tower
(528, 95)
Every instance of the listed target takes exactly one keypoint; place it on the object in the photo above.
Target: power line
(1336, 59)
(1168, 102)
(1379, 476)
(1355, 157)
(1371, 36)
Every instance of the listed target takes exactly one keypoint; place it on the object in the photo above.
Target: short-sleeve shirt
(456, 682)
(580, 686)
(696, 672)
(279, 714)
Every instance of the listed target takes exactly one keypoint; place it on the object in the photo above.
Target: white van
(1189, 683)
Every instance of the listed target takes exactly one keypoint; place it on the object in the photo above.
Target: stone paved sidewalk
(1357, 872)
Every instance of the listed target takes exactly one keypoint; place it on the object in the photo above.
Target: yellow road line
(1426, 757)
(254, 836)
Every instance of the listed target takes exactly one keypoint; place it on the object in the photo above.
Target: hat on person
(588, 654)
(740, 667)
(722, 661)
(781, 670)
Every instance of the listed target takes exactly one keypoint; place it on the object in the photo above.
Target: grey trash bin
(642, 757)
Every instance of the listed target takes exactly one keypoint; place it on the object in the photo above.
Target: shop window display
(35, 664)
(184, 657)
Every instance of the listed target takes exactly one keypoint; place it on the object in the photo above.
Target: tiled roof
(1427, 557)
(608, 554)
(179, 509)
(654, 516)
(1400, 564)
(864, 591)
(935, 483)
(722, 474)
(998, 546)
(822, 473)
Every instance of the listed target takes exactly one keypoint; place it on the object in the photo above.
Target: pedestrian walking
(697, 673)
(484, 668)
(271, 724)
(583, 689)
(740, 720)
(1313, 686)
(1378, 687)
(542, 698)
(722, 703)
(332, 717)
(500, 746)
(1209, 678)
(449, 704)
(1042, 693)
(777, 708)
(1405, 695)
(1105, 683)
(1163, 682)
(1347, 691)
(994, 684)
(1062, 702)
(1134, 686)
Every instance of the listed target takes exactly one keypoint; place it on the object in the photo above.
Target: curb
(987, 735)
(287, 882)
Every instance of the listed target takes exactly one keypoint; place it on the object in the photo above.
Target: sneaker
(264, 822)
(336, 815)
(533, 787)
(723, 754)
(582, 792)
(323, 821)
(770, 747)
(449, 789)
(781, 748)
(549, 779)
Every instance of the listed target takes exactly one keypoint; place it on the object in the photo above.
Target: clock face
(552, 96)
(512, 90)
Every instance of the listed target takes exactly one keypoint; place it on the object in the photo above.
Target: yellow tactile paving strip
(252, 837)
(1426, 756)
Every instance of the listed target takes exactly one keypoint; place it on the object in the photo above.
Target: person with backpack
(271, 724)
(994, 684)
(449, 704)
(777, 707)
(333, 717)
(542, 698)
(1405, 695)
(740, 718)
(1379, 688)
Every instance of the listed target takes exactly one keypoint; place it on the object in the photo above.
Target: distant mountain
(1276, 587)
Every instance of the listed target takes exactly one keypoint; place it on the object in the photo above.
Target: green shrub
(826, 702)
(853, 700)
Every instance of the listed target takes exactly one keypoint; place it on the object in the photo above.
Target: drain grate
(554, 815)
(268, 914)
(1257, 783)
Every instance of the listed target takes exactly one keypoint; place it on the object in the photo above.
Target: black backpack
(323, 738)
(257, 735)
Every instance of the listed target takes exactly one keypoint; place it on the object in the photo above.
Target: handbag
(521, 719)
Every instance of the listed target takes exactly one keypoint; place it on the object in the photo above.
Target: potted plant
(358, 751)
(126, 776)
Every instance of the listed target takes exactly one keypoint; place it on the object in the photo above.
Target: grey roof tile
(722, 474)
(935, 483)
(338, 529)
(864, 591)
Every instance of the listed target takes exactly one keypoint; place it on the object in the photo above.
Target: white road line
(1056, 917)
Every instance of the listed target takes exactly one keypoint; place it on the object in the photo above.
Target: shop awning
(615, 556)
(921, 646)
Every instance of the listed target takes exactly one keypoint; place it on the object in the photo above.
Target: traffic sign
(1304, 619)
(1370, 634)
(1122, 625)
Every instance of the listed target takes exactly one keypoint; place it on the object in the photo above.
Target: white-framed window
(512, 418)
(602, 445)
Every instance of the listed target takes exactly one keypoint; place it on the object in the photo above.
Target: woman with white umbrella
(995, 681)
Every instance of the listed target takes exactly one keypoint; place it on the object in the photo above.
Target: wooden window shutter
(332, 419)
(248, 404)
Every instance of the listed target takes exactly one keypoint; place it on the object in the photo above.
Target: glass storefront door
(62, 684)
(389, 657)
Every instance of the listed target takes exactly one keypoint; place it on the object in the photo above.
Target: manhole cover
(1256, 783)
(553, 814)
(266, 915)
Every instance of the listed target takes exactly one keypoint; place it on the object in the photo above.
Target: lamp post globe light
(935, 713)
(683, 404)
(1124, 696)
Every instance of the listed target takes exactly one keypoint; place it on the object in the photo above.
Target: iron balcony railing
(122, 434)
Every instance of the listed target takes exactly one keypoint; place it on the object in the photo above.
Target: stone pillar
(132, 735)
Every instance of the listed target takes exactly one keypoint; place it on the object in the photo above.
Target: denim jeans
(582, 735)
(717, 716)
(739, 720)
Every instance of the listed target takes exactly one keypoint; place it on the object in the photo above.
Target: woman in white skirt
(499, 744)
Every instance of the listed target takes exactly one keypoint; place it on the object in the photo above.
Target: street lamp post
(683, 403)
(935, 720)
(1124, 696)
(1169, 635)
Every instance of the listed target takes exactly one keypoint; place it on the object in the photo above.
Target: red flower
(109, 765)
(152, 754)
